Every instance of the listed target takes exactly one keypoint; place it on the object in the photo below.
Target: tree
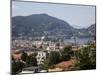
(54, 58)
(31, 60)
(87, 58)
(12, 58)
(24, 56)
(67, 49)
(45, 65)
(65, 57)
(17, 67)
(66, 53)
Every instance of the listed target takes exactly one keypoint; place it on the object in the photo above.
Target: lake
(78, 40)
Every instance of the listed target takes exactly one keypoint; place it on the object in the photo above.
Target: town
(45, 55)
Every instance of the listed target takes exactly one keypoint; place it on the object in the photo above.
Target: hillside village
(47, 56)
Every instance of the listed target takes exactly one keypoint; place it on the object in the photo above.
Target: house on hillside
(41, 56)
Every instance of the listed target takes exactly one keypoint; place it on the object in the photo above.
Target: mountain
(42, 24)
(87, 32)
(92, 29)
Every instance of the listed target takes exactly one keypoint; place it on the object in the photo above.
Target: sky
(78, 16)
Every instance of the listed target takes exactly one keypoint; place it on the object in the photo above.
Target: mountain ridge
(43, 24)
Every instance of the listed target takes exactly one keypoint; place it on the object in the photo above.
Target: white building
(41, 56)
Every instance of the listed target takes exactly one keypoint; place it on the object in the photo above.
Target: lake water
(78, 40)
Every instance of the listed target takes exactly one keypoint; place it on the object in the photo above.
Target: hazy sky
(76, 15)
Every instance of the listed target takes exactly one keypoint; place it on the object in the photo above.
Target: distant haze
(76, 15)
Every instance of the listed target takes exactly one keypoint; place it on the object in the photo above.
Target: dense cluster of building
(40, 47)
